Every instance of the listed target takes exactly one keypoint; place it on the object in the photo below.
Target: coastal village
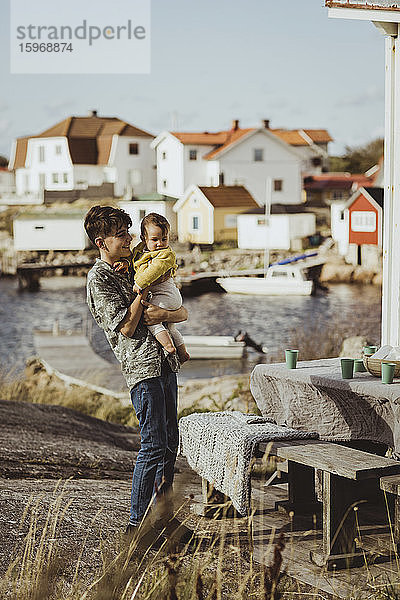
(287, 477)
(211, 186)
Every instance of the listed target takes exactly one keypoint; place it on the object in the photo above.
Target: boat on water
(294, 276)
(214, 346)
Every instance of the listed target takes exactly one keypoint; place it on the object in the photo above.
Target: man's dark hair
(154, 219)
(102, 221)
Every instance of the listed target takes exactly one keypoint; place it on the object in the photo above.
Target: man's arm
(154, 314)
(128, 325)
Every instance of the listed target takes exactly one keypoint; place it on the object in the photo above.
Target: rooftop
(335, 181)
(89, 138)
(223, 139)
(229, 196)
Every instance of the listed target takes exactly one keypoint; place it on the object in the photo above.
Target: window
(363, 220)
(316, 162)
(221, 179)
(258, 154)
(341, 215)
(55, 177)
(133, 148)
(41, 153)
(42, 181)
(278, 185)
(58, 149)
(27, 182)
(164, 155)
(39, 226)
(65, 177)
(164, 183)
(261, 221)
(142, 213)
(230, 221)
(195, 223)
(337, 195)
(192, 154)
(279, 274)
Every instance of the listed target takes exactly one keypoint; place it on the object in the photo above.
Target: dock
(29, 274)
(69, 356)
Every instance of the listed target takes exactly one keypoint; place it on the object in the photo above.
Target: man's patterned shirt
(109, 295)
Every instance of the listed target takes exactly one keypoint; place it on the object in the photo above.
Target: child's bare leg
(166, 341)
(183, 354)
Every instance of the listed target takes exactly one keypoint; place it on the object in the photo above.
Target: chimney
(93, 113)
(266, 123)
(235, 124)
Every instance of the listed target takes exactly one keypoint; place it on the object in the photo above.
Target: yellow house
(209, 214)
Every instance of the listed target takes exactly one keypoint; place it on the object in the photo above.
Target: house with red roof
(325, 188)
(241, 156)
(93, 155)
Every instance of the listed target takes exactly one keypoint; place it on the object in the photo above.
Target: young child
(155, 265)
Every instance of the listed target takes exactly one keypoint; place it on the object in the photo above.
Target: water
(270, 321)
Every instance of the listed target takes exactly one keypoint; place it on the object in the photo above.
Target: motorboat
(214, 346)
(280, 280)
(293, 276)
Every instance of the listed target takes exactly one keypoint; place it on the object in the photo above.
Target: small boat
(293, 276)
(280, 280)
(214, 346)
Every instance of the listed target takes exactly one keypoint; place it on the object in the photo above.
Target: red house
(365, 222)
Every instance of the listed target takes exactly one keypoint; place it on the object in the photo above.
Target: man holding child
(150, 372)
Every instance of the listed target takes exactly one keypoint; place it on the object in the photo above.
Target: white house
(139, 207)
(240, 157)
(284, 229)
(80, 153)
(50, 230)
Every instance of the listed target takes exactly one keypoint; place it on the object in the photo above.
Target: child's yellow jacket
(149, 266)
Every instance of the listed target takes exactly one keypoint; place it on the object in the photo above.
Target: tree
(3, 161)
(358, 159)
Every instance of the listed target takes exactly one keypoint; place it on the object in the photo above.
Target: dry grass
(212, 569)
(38, 387)
(215, 567)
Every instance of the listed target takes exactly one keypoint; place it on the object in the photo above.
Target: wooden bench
(215, 504)
(345, 472)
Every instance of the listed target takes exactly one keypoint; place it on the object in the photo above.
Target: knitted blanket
(219, 447)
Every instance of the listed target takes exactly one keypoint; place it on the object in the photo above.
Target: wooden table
(314, 397)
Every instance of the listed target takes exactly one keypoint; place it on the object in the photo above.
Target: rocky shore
(335, 270)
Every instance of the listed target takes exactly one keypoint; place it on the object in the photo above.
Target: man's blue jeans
(155, 404)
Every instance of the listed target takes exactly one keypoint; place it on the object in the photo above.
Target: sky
(213, 61)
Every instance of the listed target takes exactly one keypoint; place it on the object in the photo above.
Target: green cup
(359, 366)
(387, 370)
(291, 358)
(369, 350)
(347, 365)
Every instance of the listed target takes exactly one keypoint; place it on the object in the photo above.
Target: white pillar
(391, 211)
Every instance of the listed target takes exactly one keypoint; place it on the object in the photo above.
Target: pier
(29, 274)
(70, 357)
